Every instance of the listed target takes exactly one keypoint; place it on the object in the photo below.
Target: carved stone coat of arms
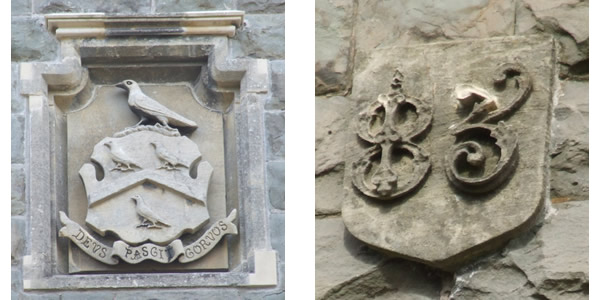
(147, 186)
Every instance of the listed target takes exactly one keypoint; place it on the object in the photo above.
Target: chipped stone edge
(86, 25)
(67, 75)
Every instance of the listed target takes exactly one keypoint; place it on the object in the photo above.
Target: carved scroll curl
(484, 154)
(394, 165)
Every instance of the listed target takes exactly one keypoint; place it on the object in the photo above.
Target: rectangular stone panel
(107, 113)
(447, 157)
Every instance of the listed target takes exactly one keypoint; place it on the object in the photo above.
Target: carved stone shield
(175, 193)
(448, 155)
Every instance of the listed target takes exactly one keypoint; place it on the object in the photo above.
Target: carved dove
(144, 211)
(170, 162)
(116, 154)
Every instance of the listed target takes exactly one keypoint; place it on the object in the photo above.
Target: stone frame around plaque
(238, 88)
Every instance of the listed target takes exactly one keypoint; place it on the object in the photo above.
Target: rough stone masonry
(550, 259)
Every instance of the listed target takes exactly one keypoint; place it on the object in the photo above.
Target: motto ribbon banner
(137, 254)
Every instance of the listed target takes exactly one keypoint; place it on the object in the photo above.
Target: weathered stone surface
(20, 7)
(496, 280)
(16, 282)
(557, 260)
(570, 15)
(17, 132)
(107, 6)
(275, 128)
(339, 257)
(552, 264)
(276, 183)
(191, 5)
(436, 223)
(331, 131)
(395, 279)
(261, 6)
(18, 231)
(413, 22)
(567, 21)
(88, 295)
(30, 41)
(17, 102)
(329, 193)
(333, 51)
(262, 36)
(179, 294)
(277, 228)
(569, 171)
(570, 160)
(277, 100)
(571, 114)
(17, 191)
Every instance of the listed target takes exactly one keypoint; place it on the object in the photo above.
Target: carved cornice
(86, 25)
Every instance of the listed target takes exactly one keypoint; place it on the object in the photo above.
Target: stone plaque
(448, 153)
(152, 187)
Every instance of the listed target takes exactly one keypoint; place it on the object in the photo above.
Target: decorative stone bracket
(51, 87)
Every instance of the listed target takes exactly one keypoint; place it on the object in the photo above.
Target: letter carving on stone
(485, 152)
(392, 165)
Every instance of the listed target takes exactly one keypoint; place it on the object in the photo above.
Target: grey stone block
(97, 295)
(17, 134)
(571, 114)
(17, 190)
(40, 296)
(329, 191)
(277, 100)
(30, 41)
(262, 36)
(333, 35)
(20, 7)
(16, 282)
(107, 6)
(396, 279)
(570, 160)
(379, 24)
(192, 5)
(18, 228)
(567, 21)
(17, 102)
(275, 129)
(331, 131)
(276, 183)
(277, 229)
(179, 294)
(262, 6)
(339, 256)
(549, 264)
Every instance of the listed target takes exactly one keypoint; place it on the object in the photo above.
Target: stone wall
(261, 36)
(548, 262)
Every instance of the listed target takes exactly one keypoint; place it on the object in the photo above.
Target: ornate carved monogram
(484, 154)
(393, 164)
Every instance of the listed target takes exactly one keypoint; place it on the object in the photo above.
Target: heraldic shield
(156, 200)
(147, 185)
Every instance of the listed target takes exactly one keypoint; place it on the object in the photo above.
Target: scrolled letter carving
(485, 152)
(393, 165)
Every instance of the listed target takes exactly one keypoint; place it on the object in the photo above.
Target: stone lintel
(86, 25)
